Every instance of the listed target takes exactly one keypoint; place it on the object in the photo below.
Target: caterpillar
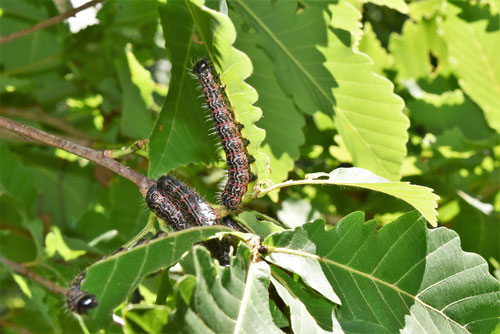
(80, 301)
(158, 201)
(233, 144)
(194, 208)
(182, 208)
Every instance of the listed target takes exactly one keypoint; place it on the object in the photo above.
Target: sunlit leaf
(421, 198)
(398, 5)
(230, 299)
(137, 89)
(474, 49)
(309, 313)
(316, 65)
(401, 277)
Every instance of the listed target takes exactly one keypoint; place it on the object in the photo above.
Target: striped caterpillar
(80, 301)
(180, 206)
(233, 144)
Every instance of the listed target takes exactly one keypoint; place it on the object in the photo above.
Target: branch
(51, 286)
(47, 23)
(29, 133)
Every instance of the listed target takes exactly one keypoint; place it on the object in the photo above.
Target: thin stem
(137, 146)
(288, 184)
(148, 228)
(51, 286)
(47, 23)
(29, 133)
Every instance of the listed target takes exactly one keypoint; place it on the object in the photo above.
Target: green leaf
(473, 39)
(282, 121)
(145, 318)
(181, 134)
(309, 312)
(315, 64)
(258, 223)
(478, 232)
(425, 8)
(55, 243)
(370, 45)
(421, 198)
(34, 51)
(438, 113)
(401, 277)
(279, 319)
(411, 51)
(15, 179)
(137, 88)
(15, 242)
(398, 5)
(115, 277)
(230, 299)
(347, 17)
(128, 213)
(62, 197)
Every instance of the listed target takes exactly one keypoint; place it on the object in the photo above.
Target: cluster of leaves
(397, 90)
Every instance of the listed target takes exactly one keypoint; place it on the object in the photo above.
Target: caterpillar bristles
(229, 130)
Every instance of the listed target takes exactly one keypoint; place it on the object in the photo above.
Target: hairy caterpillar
(164, 208)
(194, 208)
(233, 144)
(81, 302)
(182, 208)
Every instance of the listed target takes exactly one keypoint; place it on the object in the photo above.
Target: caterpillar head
(79, 301)
(202, 66)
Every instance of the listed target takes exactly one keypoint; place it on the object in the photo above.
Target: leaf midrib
(365, 275)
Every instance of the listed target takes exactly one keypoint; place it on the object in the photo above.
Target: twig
(134, 148)
(51, 286)
(29, 133)
(288, 183)
(47, 23)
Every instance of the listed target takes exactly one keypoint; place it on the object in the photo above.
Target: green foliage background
(407, 90)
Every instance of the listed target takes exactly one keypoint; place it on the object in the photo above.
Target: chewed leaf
(234, 67)
(181, 123)
(316, 65)
(232, 299)
(403, 277)
(114, 278)
(421, 198)
(474, 50)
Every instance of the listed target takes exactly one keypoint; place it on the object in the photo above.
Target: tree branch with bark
(47, 23)
(101, 158)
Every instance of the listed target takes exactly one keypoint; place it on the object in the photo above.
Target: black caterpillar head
(80, 301)
(202, 66)
(86, 303)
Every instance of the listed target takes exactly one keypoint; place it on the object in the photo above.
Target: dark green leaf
(230, 299)
(114, 278)
(402, 277)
